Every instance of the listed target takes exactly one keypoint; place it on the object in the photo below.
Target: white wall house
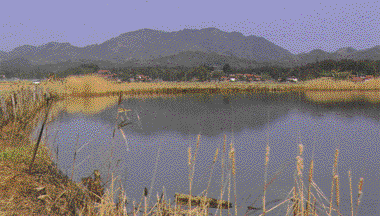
(291, 79)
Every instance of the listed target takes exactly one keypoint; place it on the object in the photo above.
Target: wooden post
(34, 94)
(13, 104)
(4, 107)
(40, 136)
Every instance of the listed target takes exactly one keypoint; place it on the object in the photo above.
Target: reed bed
(28, 164)
(92, 85)
(342, 96)
(198, 205)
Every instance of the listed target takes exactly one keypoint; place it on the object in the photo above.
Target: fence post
(13, 104)
(3, 107)
(34, 93)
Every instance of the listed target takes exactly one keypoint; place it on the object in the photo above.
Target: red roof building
(357, 79)
(106, 74)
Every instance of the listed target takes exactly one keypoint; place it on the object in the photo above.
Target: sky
(296, 25)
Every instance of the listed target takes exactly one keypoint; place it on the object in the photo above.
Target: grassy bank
(29, 181)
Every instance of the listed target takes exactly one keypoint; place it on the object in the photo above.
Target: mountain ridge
(146, 44)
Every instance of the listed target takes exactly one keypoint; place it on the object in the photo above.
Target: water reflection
(156, 144)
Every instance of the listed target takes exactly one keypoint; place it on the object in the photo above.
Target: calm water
(163, 129)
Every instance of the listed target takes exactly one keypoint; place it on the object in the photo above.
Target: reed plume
(334, 174)
(309, 190)
(360, 194)
(232, 158)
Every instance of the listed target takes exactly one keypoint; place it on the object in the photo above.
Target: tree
(227, 69)
(92, 66)
(217, 74)
(202, 73)
(266, 76)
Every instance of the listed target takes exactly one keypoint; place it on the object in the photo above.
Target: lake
(163, 128)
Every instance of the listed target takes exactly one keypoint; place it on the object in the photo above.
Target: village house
(326, 78)
(106, 74)
(368, 77)
(291, 79)
(256, 78)
(357, 79)
(239, 76)
(143, 78)
(223, 79)
(157, 80)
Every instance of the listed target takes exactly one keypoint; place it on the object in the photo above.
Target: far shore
(94, 85)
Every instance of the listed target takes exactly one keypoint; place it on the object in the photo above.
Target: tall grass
(94, 85)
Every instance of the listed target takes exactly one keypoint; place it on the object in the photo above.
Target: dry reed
(337, 192)
(308, 206)
(300, 168)
(265, 176)
(352, 207)
(222, 180)
(333, 179)
(360, 194)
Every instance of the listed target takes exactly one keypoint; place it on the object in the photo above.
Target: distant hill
(342, 53)
(147, 47)
(150, 44)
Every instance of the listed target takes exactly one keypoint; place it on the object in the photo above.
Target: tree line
(205, 72)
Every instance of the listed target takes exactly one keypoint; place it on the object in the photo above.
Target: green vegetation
(204, 72)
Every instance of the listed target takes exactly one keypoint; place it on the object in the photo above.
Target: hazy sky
(296, 25)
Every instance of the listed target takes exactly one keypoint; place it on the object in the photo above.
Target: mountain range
(188, 47)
